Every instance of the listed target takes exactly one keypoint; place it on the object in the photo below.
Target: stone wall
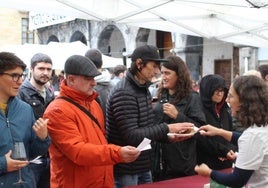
(10, 20)
(214, 50)
(64, 31)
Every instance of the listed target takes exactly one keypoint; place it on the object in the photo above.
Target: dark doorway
(224, 68)
(52, 38)
(78, 36)
(164, 43)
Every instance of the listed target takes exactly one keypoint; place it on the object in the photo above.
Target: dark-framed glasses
(15, 77)
(220, 90)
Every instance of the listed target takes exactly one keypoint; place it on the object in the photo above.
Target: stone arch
(142, 37)
(78, 36)
(111, 41)
(52, 38)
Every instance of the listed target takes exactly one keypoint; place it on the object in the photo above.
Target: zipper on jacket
(7, 120)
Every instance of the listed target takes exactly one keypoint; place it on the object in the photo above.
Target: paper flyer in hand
(144, 145)
(37, 160)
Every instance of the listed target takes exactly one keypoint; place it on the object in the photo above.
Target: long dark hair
(253, 96)
(184, 82)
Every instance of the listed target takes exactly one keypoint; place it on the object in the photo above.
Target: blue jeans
(42, 173)
(136, 179)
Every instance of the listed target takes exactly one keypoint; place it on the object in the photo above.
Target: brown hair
(253, 96)
(9, 61)
(184, 82)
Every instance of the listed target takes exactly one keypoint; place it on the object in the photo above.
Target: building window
(27, 36)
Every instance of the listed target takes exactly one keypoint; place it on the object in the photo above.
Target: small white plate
(177, 135)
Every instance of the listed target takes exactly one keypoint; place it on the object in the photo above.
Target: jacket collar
(32, 90)
(130, 77)
(75, 95)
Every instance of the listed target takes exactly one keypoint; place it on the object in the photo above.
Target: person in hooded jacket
(103, 80)
(215, 151)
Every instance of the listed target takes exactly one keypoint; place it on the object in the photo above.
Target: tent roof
(239, 21)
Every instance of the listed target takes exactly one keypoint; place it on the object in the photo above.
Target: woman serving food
(248, 98)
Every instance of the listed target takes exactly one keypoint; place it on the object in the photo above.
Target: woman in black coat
(177, 102)
(213, 150)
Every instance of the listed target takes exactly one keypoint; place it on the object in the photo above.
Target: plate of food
(186, 133)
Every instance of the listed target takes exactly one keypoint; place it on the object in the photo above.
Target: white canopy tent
(238, 21)
(59, 52)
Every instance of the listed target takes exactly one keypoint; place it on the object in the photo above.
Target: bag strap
(81, 108)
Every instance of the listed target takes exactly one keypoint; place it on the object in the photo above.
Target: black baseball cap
(147, 53)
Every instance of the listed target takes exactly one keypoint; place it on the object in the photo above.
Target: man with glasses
(17, 124)
(35, 92)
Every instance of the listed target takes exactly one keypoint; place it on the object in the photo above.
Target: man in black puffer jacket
(130, 117)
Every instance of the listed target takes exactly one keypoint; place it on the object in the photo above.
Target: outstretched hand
(203, 170)
(174, 138)
(180, 128)
(208, 130)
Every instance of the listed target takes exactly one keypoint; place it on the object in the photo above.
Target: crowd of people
(84, 126)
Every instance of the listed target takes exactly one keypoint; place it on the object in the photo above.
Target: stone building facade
(11, 26)
(119, 40)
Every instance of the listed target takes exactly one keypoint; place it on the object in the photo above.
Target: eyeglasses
(15, 77)
(220, 90)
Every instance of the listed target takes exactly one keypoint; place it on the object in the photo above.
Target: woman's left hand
(170, 110)
(203, 170)
(40, 128)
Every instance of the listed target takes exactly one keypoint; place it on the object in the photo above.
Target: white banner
(39, 20)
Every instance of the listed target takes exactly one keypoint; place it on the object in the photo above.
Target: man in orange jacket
(80, 154)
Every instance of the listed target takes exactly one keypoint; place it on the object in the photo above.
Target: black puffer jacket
(211, 148)
(129, 116)
(30, 95)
